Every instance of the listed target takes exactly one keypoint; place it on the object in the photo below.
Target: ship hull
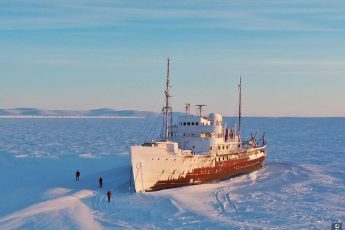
(155, 169)
(219, 172)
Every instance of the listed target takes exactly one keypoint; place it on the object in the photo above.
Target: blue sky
(99, 53)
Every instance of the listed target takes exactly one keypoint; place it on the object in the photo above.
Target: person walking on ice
(100, 182)
(109, 195)
(77, 175)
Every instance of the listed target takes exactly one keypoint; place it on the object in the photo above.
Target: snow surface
(301, 186)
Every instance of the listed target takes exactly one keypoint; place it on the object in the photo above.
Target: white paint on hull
(152, 164)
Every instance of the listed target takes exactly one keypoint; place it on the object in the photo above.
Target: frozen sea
(301, 186)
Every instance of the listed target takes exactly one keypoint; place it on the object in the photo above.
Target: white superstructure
(203, 135)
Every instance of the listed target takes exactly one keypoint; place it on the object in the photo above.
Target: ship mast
(167, 108)
(187, 108)
(239, 107)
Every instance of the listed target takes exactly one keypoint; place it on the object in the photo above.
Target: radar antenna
(199, 109)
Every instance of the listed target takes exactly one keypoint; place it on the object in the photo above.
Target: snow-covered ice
(301, 186)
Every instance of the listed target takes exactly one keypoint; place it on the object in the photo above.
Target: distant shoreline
(71, 117)
(103, 113)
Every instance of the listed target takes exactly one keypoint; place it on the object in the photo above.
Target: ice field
(301, 186)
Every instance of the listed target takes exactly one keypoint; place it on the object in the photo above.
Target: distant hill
(104, 112)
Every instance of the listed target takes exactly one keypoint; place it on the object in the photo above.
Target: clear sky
(64, 54)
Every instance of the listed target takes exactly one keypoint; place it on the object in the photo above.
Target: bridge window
(188, 123)
(192, 123)
(184, 123)
(196, 123)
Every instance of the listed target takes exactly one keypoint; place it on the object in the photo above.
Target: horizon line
(138, 110)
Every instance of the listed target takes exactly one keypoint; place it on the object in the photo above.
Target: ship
(196, 149)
